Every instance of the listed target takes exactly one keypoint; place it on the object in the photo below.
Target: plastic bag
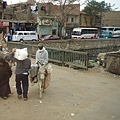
(21, 54)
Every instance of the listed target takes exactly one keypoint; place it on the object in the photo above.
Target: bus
(115, 31)
(110, 29)
(116, 34)
(84, 33)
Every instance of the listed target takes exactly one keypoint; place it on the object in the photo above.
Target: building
(87, 20)
(5, 15)
(50, 17)
(72, 20)
(46, 22)
(45, 18)
(111, 18)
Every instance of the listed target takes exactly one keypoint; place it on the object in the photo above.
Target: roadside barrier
(61, 56)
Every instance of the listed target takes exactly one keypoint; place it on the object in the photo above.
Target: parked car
(105, 34)
(50, 37)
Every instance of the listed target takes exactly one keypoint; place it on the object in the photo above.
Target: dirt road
(72, 95)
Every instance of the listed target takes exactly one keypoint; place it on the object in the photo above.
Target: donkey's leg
(40, 88)
(43, 85)
(43, 81)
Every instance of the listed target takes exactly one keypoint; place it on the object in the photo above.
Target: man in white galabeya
(42, 58)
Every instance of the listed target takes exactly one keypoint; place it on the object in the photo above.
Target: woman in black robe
(5, 74)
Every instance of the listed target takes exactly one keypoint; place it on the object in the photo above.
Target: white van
(25, 36)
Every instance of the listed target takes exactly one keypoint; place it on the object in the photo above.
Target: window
(91, 21)
(89, 31)
(116, 29)
(80, 18)
(20, 33)
(26, 33)
(67, 19)
(0, 15)
(103, 29)
(111, 29)
(32, 34)
(76, 33)
(83, 31)
(72, 19)
(15, 33)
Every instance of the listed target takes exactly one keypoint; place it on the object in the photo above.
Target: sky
(116, 2)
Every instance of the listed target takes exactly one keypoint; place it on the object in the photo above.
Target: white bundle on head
(21, 54)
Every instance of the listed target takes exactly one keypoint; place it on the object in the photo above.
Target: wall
(87, 20)
(82, 44)
(111, 18)
(93, 47)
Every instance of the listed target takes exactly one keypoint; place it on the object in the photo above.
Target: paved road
(72, 95)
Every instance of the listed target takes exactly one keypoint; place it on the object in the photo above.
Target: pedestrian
(8, 36)
(66, 35)
(42, 58)
(5, 74)
(4, 46)
(0, 45)
(22, 72)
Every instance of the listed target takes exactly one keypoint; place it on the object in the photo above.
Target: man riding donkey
(41, 58)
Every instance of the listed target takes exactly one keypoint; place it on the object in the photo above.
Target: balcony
(71, 25)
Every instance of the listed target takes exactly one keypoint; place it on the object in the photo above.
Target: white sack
(21, 54)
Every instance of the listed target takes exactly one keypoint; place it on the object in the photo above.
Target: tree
(96, 9)
(62, 9)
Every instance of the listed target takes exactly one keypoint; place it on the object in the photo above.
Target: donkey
(44, 78)
(41, 79)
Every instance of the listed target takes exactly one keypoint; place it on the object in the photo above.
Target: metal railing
(69, 57)
(64, 57)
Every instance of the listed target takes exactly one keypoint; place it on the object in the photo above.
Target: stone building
(111, 18)
(87, 20)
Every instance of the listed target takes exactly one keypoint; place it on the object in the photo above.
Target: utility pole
(100, 20)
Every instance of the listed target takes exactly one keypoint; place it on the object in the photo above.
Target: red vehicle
(50, 37)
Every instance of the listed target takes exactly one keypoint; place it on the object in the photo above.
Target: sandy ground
(72, 95)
